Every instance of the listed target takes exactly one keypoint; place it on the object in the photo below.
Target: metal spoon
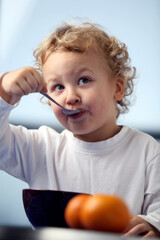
(66, 111)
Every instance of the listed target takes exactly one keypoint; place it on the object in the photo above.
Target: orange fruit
(104, 213)
(72, 210)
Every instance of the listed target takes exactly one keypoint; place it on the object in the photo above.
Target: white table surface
(22, 233)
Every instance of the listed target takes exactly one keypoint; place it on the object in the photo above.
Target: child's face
(84, 82)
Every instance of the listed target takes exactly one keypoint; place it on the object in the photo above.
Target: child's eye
(58, 87)
(83, 81)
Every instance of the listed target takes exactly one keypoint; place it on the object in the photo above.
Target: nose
(72, 97)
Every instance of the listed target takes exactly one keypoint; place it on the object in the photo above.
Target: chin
(81, 133)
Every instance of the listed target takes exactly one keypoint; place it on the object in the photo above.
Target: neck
(99, 135)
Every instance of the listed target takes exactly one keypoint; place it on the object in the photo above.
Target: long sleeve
(5, 133)
(21, 151)
(151, 206)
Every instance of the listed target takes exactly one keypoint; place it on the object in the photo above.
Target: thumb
(44, 88)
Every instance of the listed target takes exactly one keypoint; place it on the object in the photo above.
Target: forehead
(72, 61)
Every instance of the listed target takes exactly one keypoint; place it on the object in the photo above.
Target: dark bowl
(45, 208)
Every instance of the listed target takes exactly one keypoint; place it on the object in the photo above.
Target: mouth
(77, 115)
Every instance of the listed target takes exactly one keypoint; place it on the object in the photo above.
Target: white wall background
(24, 23)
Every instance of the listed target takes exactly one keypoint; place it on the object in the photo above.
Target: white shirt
(127, 165)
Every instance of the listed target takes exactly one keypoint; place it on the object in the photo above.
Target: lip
(78, 115)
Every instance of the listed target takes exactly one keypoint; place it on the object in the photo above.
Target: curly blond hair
(81, 38)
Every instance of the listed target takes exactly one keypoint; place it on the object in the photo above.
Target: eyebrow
(82, 69)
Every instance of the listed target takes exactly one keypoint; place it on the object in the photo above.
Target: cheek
(90, 98)
(58, 112)
(103, 104)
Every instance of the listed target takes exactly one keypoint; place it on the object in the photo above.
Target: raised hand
(20, 82)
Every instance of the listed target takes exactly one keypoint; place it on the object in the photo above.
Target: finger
(131, 224)
(32, 81)
(149, 234)
(137, 230)
(15, 89)
(44, 89)
(24, 86)
(39, 79)
(33, 78)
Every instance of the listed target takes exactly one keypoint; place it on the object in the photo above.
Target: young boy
(83, 68)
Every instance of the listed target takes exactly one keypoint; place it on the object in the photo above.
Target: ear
(119, 89)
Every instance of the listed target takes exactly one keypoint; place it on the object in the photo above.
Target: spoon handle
(47, 96)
